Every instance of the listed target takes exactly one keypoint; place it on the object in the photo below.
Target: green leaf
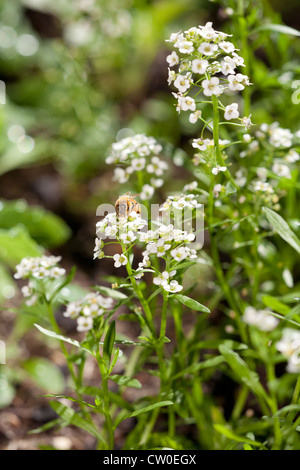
(275, 304)
(7, 285)
(113, 293)
(192, 369)
(235, 437)
(69, 416)
(109, 341)
(8, 391)
(191, 303)
(46, 228)
(230, 189)
(16, 244)
(52, 334)
(145, 409)
(278, 28)
(45, 374)
(242, 372)
(124, 380)
(282, 228)
(67, 397)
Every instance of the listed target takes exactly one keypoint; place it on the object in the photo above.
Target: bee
(126, 204)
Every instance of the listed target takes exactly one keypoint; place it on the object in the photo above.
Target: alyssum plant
(155, 287)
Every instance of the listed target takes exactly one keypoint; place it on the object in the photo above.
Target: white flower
(184, 46)
(128, 237)
(163, 278)
(217, 189)
(231, 112)
(281, 170)
(190, 186)
(211, 87)
(280, 137)
(92, 310)
(246, 121)
(247, 138)
(98, 252)
(217, 169)
(226, 46)
(185, 103)
(207, 48)
(208, 32)
(292, 156)
(159, 248)
(201, 144)
(239, 61)
(147, 192)
(138, 164)
(263, 186)
(193, 118)
(171, 76)
(260, 318)
(173, 59)
(157, 166)
(120, 175)
(237, 82)
(289, 346)
(289, 342)
(120, 260)
(157, 182)
(173, 287)
(199, 66)
(39, 267)
(227, 66)
(84, 323)
(180, 254)
(182, 83)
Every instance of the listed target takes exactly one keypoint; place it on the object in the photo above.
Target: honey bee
(126, 204)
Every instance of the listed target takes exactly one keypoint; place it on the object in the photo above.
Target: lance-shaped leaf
(282, 228)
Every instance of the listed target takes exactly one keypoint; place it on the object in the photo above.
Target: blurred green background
(76, 75)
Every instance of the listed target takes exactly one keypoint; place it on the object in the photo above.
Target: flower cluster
(85, 310)
(205, 153)
(262, 319)
(170, 244)
(165, 242)
(275, 139)
(289, 346)
(180, 201)
(138, 153)
(277, 143)
(205, 60)
(122, 229)
(37, 268)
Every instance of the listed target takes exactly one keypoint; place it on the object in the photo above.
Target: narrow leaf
(242, 371)
(235, 437)
(71, 417)
(52, 334)
(191, 303)
(282, 228)
(278, 28)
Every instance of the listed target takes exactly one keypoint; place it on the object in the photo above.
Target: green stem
(106, 403)
(240, 403)
(274, 408)
(218, 154)
(160, 349)
(243, 34)
(76, 381)
(218, 266)
(295, 399)
(137, 290)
